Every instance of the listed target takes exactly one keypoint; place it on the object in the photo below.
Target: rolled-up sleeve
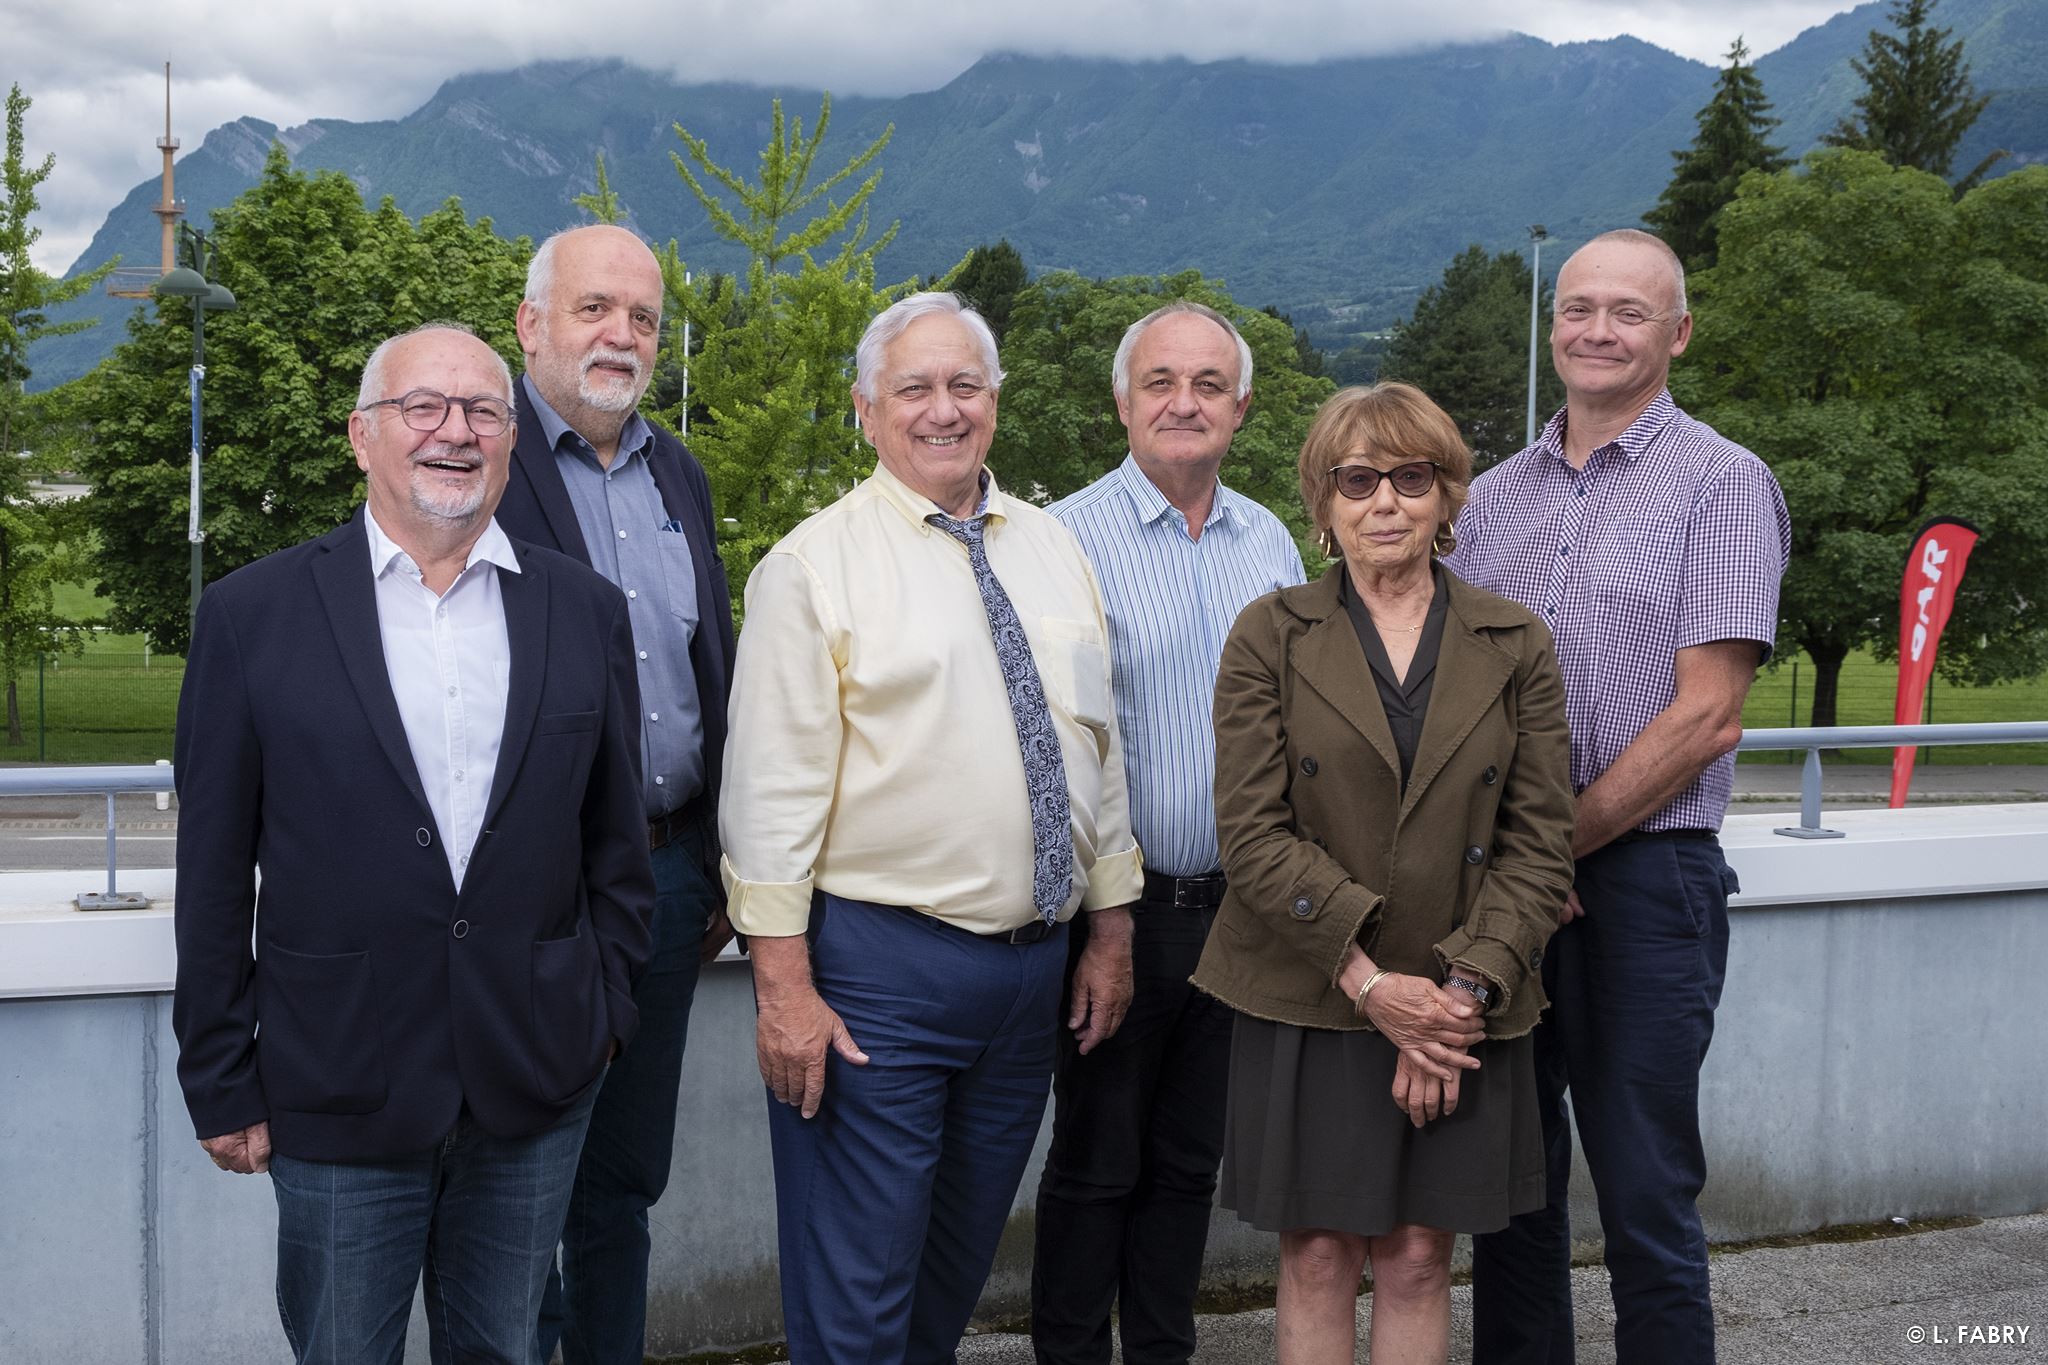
(782, 751)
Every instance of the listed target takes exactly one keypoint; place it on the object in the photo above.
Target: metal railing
(109, 781)
(1814, 738)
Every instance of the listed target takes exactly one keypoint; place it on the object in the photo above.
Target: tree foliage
(1058, 429)
(1918, 99)
(990, 279)
(772, 350)
(319, 279)
(602, 203)
(1466, 346)
(37, 536)
(1885, 347)
(1730, 143)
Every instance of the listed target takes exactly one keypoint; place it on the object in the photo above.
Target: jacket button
(1490, 776)
(1302, 906)
(1535, 958)
(1308, 766)
(461, 928)
(1475, 855)
(422, 836)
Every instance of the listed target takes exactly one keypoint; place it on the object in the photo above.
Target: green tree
(1885, 347)
(772, 361)
(1307, 358)
(601, 204)
(319, 280)
(1058, 428)
(1730, 143)
(36, 534)
(990, 279)
(1918, 99)
(1466, 345)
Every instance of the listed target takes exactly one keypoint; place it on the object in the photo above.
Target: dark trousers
(596, 1305)
(1123, 1204)
(890, 1201)
(1632, 986)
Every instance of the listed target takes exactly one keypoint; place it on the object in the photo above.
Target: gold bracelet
(1364, 990)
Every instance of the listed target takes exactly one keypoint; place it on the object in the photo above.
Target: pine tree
(1918, 99)
(1730, 143)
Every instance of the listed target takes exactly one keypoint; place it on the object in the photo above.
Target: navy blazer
(379, 1000)
(537, 508)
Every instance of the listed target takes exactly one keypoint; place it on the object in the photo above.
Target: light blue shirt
(634, 543)
(1171, 602)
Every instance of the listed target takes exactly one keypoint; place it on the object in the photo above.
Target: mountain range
(1336, 190)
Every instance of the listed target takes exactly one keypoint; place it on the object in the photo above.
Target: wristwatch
(1479, 992)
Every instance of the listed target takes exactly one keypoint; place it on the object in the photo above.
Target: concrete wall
(1876, 1054)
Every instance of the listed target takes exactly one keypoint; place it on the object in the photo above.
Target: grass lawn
(1865, 697)
(115, 703)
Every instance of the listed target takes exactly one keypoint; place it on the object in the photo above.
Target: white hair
(1638, 237)
(370, 390)
(1120, 368)
(540, 271)
(894, 320)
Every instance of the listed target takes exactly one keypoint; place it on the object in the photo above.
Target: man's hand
(246, 1152)
(717, 933)
(794, 1026)
(1571, 909)
(1102, 978)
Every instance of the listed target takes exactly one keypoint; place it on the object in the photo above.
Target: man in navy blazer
(594, 479)
(421, 736)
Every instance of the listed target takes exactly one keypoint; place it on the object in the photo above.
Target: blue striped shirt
(1171, 602)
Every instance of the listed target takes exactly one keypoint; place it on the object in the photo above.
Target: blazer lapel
(534, 462)
(349, 594)
(1330, 660)
(1471, 670)
(525, 595)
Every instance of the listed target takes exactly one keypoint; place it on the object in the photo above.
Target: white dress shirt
(450, 663)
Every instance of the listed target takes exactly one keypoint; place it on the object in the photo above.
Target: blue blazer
(537, 508)
(378, 1000)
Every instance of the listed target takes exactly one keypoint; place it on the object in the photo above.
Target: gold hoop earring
(1446, 540)
(1327, 541)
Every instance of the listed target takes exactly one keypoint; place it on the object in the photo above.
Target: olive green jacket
(1322, 848)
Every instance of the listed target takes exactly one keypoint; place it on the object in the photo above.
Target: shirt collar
(632, 437)
(1641, 433)
(915, 506)
(493, 547)
(1151, 504)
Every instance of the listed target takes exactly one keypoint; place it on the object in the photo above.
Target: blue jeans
(477, 1216)
(890, 1202)
(1633, 987)
(596, 1305)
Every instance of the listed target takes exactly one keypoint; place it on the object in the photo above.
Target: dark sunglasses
(425, 410)
(1357, 481)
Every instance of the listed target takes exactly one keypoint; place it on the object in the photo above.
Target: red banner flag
(1934, 570)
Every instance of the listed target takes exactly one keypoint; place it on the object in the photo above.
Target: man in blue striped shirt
(1138, 1130)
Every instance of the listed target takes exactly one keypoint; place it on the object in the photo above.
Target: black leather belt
(1636, 836)
(1035, 932)
(1184, 893)
(664, 830)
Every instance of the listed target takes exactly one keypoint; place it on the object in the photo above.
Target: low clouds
(95, 71)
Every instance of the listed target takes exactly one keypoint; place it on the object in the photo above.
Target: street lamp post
(1536, 238)
(190, 282)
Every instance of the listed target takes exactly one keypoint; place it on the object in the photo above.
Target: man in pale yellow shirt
(923, 783)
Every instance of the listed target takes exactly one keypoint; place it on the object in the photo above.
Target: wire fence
(103, 706)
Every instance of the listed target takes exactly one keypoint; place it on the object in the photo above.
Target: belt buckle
(1183, 894)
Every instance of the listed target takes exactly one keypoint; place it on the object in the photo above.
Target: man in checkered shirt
(1653, 548)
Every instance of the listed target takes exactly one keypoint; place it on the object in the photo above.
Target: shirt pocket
(679, 578)
(1075, 665)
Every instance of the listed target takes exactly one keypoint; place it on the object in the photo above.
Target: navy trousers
(890, 1201)
(1633, 986)
(1123, 1205)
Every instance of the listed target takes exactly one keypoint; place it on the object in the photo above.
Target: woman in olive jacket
(1394, 805)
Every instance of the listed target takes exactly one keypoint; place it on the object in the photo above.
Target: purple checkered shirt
(1671, 536)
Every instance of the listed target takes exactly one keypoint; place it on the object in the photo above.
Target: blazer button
(1308, 766)
(422, 837)
(461, 928)
(1490, 776)
(1535, 958)
(1302, 906)
(1475, 855)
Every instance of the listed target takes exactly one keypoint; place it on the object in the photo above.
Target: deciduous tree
(1884, 347)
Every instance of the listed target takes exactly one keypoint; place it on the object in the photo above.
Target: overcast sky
(95, 67)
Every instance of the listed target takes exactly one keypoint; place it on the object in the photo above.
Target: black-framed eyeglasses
(425, 410)
(1357, 481)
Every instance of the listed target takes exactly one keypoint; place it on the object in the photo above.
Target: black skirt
(1314, 1139)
